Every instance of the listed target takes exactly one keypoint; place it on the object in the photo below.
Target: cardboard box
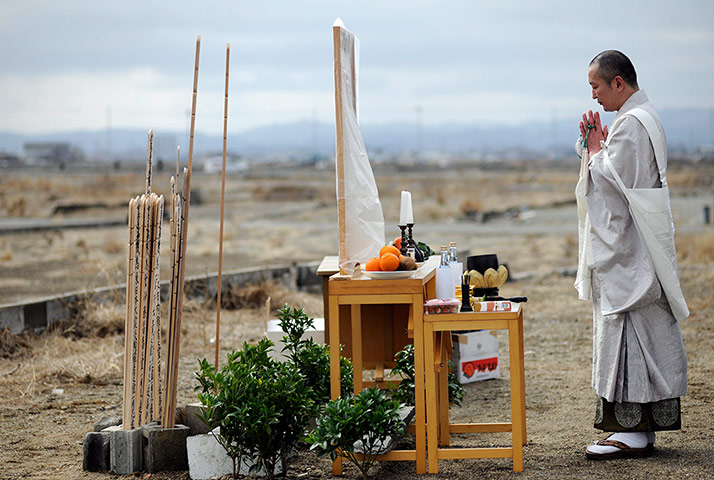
(475, 356)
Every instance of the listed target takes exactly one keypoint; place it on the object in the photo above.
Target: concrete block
(13, 317)
(59, 309)
(276, 334)
(196, 426)
(96, 451)
(35, 316)
(165, 448)
(126, 451)
(106, 422)
(208, 459)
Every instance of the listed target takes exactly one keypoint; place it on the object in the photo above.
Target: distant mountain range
(687, 130)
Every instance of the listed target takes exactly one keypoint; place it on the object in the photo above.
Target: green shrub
(311, 359)
(371, 417)
(404, 392)
(261, 406)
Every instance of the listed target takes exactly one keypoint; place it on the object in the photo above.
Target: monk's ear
(618, 83)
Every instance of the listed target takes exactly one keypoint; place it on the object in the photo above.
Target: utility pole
(419, 110)
(108, 141)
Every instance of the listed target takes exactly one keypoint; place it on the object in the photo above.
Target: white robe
(638, 352)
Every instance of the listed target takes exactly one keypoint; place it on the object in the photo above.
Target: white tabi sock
(631, 439)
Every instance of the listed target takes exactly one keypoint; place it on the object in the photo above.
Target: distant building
(9, 160)
(233, 164)
(57, 154)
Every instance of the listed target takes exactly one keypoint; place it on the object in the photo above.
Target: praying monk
(627, 265)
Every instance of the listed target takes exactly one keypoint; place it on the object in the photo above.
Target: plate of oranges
(390, 264)
(389, 275)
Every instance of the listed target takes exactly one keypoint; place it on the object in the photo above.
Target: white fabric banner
(363, 227)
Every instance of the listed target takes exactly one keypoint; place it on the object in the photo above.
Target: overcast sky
(83, 64)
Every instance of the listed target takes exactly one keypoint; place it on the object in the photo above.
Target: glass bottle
(453, 256)
(444, 256)
(444, 277)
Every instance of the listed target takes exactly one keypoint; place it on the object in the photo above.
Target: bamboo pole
(182, 207)
(179, 293)
(223, 196)
(170, 332)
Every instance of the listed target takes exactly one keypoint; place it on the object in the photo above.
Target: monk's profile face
(606, 94)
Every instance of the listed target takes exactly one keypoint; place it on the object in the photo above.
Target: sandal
(622, 450)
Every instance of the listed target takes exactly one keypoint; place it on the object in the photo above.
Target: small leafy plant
(371, 418)
(404, 392)
(261, 406)
(310, 358)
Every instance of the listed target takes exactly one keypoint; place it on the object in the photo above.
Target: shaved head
(612, 63)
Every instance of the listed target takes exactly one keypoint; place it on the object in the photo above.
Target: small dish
(389, 275)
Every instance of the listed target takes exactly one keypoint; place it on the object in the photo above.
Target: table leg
(523, 372)
(416, 311)
(356, 315)
(443, 379)
(334, 316)
(326, 304)
(516, 369)
(431, 400)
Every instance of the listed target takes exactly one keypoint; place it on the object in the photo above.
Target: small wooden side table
(438, 425)
(354, 292)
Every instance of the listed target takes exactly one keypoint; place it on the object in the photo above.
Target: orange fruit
(390, 249)
(398, 243)
(372, 265)
(388, 262)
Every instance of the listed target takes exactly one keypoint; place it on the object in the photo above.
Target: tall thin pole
(340, 152)
(223, 196)
(183, 237)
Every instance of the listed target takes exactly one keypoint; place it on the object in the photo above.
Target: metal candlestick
(405, 241)
(418, 254)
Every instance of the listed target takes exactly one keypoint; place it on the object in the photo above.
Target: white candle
(406, 215)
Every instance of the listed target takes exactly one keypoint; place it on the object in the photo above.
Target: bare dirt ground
(55, 386)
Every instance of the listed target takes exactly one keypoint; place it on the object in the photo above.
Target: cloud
(67, 62)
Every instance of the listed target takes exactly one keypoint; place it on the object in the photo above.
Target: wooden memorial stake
(129, 322)
(144, 331)
(223, 196)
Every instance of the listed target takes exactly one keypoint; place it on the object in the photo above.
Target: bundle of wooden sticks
(144, 400)
(143, 301)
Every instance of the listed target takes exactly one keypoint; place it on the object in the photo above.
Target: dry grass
(113, 246)
(88, 346)
(696, 248)
(5, 254)
(12, 345)
(470, 207)
(684, 177)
